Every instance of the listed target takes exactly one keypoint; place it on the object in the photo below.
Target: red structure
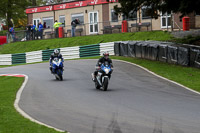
(3, 39)
(186, 23)
(60, 32)
(124, 26)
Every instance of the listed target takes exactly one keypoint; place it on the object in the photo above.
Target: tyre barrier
(181, 54)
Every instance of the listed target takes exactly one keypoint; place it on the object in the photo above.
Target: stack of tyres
(162, 56)
(138, 50)
(195, 58)
(124, 48)
(172, 55)
(183, 55)
(117, 48)
(153, 51)
(131, 48)
(145, 50)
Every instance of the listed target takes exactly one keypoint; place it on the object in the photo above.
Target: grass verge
(10, 120)
(22, 47)
(187, 76)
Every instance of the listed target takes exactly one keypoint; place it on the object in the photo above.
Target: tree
(13, 11)
(176, 6)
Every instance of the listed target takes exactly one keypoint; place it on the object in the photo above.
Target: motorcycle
(103, 76)
(57, 68)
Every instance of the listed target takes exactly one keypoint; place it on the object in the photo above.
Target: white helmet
(56, 52)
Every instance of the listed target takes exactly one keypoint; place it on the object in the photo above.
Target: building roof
(66, 5)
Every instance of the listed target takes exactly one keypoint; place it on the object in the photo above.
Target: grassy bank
(21, 47)
(10, 120)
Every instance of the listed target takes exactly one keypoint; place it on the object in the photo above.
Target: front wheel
(105, 84)
(60, 75)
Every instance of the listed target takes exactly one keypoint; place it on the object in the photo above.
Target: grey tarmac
(136, 101)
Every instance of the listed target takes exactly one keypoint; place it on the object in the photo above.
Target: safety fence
(186, 55)
(67, 52)
(104, 27)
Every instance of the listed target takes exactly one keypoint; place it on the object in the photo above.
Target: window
(131, 16)
(79, 16)
(93, 20)
(49, 22)
(114, 17)
(145, 14)
(62, 20)
(36, 21)
(166, 20)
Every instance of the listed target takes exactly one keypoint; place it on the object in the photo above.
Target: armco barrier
(68, 53)
(18, 58)
(46, 54)
(107, 47)
(89, 50)
(6, 59)
(35, 56)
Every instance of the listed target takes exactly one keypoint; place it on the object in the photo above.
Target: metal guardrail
(67, 52)
(81, 30)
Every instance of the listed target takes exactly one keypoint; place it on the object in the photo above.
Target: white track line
(159, 76)
(20, 110)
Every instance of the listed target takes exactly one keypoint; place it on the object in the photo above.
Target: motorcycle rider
(55, 54)
(102, 60)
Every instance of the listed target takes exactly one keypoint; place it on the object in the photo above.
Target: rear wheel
(105, 84)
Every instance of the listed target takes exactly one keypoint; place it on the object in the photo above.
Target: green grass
(10, 120)
(187, 76)
(22, 47)
(188, 40)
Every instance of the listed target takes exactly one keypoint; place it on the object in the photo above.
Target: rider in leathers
(55, 54)
(101, 61)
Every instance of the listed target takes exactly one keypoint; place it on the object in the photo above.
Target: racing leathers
(101, 61)
(59, 56)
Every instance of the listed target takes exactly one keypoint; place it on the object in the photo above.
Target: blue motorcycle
(57, 68)
(103, 76)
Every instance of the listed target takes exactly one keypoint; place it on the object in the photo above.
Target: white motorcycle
(103, 76)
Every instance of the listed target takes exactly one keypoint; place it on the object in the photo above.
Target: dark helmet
(56, 52)
(106, 55)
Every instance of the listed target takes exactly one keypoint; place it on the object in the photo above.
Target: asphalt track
(136, 101)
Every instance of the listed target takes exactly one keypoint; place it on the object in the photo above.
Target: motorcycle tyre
(105, 84)
(60, 75)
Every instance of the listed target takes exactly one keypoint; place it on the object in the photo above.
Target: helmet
(56, 52)
(106, 55)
